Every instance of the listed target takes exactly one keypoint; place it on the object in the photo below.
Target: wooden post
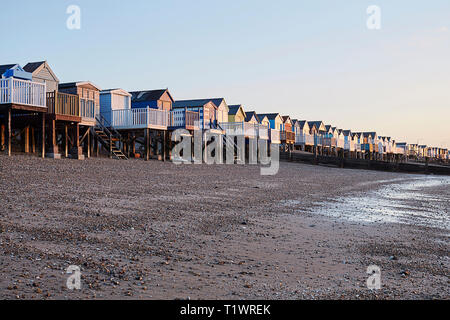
(97, 147)
(9, 131)
(33, 140)
(77, 141)
(151, 145)
(66, 140)
(128, 144)
(43, 135)
(53, 135)
(92, 142)
(2, 136)
(164, 145)
(147, 144)
(88, 143)
(110, 146)
(27, 139)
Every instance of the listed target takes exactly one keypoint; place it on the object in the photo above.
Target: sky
(312, 60)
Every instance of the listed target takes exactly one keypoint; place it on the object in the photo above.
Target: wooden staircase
(109, 137)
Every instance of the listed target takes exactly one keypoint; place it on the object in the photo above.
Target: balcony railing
(275, 136)
(63, 104)
(304, 139)
(329, 142)
(140, 118)
(181, 118)
(263, 132)
(349, 145)
(88, 109)
(287, 136)
(22, 92)
(247, 129)
(318, 140)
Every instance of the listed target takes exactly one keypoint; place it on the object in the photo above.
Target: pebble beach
(156, 230)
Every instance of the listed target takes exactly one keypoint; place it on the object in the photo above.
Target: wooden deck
(184, 119)
(22, 95)
(287, 137)
(140, 118)
(69, 107)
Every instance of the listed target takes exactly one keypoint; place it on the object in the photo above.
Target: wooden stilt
(77, 135)
(151, 145)
(9, 131)
(77, 151)
(128, 144)
(33, 140)
(164, 145)
(147, 144)
(27, 139)
(88, 143)
(2, 136)
(66, 140)
(43, 135)
(92, 143)
(97, 147)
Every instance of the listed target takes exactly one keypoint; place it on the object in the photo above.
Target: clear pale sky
(314, 60)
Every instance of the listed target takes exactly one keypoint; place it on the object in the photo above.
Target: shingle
(30, 67)
(6, 67)
(147, 95)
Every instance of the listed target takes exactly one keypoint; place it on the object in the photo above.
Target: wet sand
(153, 230)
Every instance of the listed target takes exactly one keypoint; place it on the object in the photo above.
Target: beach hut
(236, 113)
(276, 126)
(221, 107)
(42, 73)
(74, 107)
(263, 120)
(370, 144)
(402, 150)
(303, 138)
(287, 134)
(206, 109)
(263, 127)
(207, 112)
(159, 99)
(318, 130)
(251, 117)
(413, 151)
(114, 103)
(261, 130)
(349, 147)
(329, 141)
(112, 100)
(140, 119)
(422, 152)
(23, 108)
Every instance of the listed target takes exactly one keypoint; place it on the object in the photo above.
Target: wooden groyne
(407, 167)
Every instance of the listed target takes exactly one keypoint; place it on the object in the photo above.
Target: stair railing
(109, 130)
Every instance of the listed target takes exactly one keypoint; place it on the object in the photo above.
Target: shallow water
(423, 202)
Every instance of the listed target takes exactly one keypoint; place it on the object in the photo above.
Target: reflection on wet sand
(419, 202)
